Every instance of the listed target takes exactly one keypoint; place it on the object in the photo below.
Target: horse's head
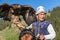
(26, 35)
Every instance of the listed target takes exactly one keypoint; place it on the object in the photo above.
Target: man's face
(41, 16)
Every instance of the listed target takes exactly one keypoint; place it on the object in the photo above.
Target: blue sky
(48, 4)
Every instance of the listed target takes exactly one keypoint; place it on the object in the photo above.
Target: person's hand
(41, 37)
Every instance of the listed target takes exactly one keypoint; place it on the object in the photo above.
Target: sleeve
(51, 31)
(29, 27)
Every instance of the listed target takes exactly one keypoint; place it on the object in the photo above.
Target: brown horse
(26, 35)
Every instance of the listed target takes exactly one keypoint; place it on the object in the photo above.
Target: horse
(26, 34)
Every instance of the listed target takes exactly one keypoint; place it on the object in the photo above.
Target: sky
(48, 4)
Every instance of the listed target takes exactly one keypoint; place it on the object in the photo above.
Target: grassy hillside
(4, 24)
(6, 33)
(9, 34)
(56, 26)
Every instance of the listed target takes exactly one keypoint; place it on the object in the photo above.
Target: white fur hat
(40, 9)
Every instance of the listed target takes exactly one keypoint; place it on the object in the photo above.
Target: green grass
(4, 24)
(56, 26)
(10, 34)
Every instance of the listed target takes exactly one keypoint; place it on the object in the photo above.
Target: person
(42, 28)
